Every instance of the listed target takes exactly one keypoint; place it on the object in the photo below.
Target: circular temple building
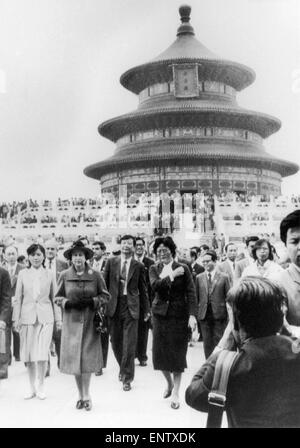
(188, 134)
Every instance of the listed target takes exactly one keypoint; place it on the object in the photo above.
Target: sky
(61, 61)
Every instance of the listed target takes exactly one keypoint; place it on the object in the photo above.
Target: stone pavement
(142, 407)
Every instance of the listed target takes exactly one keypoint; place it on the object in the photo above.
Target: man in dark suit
(196, 267)
(211, 288)
(143, 328)
(126, 283)
(55, 265)
(5, 319)
(98, 264)
(13, 268)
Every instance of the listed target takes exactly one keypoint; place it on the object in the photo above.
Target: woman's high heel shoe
(168, 392)
(79, 404)
(87, 404)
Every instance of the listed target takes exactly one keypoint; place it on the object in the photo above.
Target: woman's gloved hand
(79, 304)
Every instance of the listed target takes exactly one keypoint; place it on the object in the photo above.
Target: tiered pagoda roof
(163, 111)
(187, 48)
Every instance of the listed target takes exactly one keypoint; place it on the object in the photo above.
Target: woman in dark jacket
(81, 291)
(174, 311)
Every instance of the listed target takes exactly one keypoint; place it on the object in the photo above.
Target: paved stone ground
(142, 407)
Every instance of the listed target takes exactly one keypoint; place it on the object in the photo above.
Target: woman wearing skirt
(34, 315)
(174, 311)
(81, 291)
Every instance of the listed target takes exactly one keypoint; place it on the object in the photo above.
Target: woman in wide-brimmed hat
(81, 291)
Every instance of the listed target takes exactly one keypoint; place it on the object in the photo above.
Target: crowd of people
(25, 211)
(246, 303)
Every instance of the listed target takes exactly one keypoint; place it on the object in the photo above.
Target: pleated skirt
(35, 342)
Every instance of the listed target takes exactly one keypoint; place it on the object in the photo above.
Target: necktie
(50, 264)
(124, 271)
(209, 280)
(234, 266)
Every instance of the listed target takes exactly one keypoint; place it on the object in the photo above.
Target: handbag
(217, 395)
(100, 321)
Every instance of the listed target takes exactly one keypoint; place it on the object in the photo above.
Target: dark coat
(220, 288)
(5, 296)
(263, 388)
(173, 303)
(137, 295)
(178, 295)
(80, 345)
(5, 315)
(196, 270)
(14, 278)
(184, 261)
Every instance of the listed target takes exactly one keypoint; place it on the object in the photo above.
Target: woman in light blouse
(34, 315)
(263, 265)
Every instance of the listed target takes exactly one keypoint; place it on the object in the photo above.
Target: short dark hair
(258, 245)
(213, 254)
(229, 244)
(257, 304)
(251, 238)
(195, 249)
(99, 243)
(193, 254)
(139, 238)
(128, 237)
(290, 221)
(166, 241)
(204, 246)
(82, 238)
(31, 250)
(21, 258)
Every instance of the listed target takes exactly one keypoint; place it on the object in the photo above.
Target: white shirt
(167, 271)
(97, 264)
(36, 274)
(270, 270)
(140, 259)
(11, 269)
(212, 273)
(128, 261)
(53, 264)
(231, 265)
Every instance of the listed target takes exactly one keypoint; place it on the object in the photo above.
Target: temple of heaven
(188, 133)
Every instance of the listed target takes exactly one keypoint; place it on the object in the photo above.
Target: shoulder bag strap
(217, 395)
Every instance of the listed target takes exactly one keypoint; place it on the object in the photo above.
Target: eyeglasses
(50, 248)
(163, 251)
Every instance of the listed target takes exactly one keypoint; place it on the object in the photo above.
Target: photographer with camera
(264, 384)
